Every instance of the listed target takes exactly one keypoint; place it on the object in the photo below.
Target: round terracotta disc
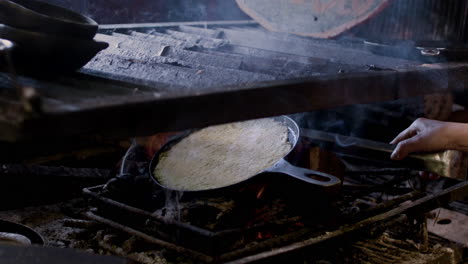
(315, 18)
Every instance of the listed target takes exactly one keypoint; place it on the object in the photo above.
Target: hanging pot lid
(315, 18)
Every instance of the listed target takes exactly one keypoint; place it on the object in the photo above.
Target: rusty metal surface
(443, 222)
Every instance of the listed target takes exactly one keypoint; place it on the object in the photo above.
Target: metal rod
(390, 204)
(265, 245)
(176, 24)
(380, 187)
(150, 239)
(380, 171)
(439, 163)
(46, 171)
(184, 226)
(147, 214)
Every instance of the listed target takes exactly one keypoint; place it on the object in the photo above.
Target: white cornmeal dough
(14, 239)
(223, 155)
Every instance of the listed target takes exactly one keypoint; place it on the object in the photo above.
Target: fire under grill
(273, 220)
(206, 73)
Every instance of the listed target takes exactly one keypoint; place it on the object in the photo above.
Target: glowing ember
(299, 224)
(155, 142)
(260, 193)
(263, 235)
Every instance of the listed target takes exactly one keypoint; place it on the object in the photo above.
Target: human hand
(424, 135)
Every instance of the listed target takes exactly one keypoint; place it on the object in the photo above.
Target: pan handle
(306, 175)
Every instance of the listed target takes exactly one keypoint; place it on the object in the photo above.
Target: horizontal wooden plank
(144, 115)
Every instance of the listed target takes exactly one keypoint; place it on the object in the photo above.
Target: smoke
(378, 121)
(344, 142)
(188, 10)
(171, 211)
(419, 21)
(151, 11)
(412, 30)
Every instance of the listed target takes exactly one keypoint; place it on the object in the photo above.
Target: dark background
(145, 11)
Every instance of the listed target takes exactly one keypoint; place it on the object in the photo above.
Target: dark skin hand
(426, 135)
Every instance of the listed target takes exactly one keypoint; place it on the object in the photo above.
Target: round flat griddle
(315, 178)
(315, 18)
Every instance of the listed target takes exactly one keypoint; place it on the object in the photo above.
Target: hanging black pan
(309, 177)
(45, 38)
(39, 53)
(38, 16)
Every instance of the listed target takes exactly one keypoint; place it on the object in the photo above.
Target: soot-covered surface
(189, 75)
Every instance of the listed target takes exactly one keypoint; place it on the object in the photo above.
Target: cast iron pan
(15, 228)
(40, 53)
(49, 19)
(314, 178)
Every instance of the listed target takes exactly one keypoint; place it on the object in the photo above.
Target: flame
(259, 235)
(264, 235)
(299, 224)
(260, 192)
(155, 142)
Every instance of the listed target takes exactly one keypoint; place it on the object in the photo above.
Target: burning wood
(228, 227)
(260, 193)
(155, 142)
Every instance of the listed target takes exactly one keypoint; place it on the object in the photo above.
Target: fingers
(405, 134)
(407, 146)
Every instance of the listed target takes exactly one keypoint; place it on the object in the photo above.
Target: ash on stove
(63, 226)
(60, 224)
